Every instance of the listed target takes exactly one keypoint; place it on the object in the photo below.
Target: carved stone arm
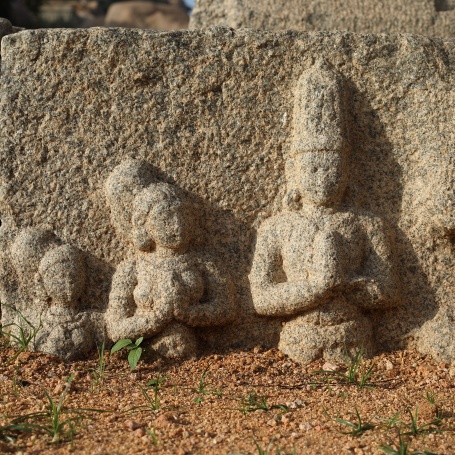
(121, 318)
(377, 286)
(272, 298)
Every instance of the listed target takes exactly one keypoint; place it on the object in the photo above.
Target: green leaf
(134, 356)
(139, 341)
(120, 345)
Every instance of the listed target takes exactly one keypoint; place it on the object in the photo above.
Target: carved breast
(336, 241)
(167, 280)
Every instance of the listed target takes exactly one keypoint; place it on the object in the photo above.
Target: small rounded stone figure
(54, 276)
(321, 265)
(166, 289)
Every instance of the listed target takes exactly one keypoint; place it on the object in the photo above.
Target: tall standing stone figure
(320, 264)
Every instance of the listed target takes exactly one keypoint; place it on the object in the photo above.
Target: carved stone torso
(166, 280)
(303, 243)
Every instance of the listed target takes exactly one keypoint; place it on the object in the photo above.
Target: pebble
(329, 366)
(131, 425)
(59, 389)
(388, 365)
(306, 426)
(140, 432)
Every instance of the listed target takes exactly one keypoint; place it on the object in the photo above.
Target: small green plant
(57, 422)
(152, 434)
(357, 428)
(203, 387)
(100, 370)
(134, 348)
(392, 422)
(155, 384)
(22, 335)
(256, 402)
(431, 397)
(152, 403)
(202, 382)
(356, 373)
(401, 448)
(415, 429)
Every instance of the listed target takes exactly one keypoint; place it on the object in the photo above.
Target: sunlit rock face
(170, 180)
(423, 17)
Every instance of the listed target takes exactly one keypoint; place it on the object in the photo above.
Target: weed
(401, 448)
(393, 422)
(431, 397)
(26, 333)
(415, 429)
(153, 436)
(100, 370)
(202, 384)
(261, 451)
(57, 422)
(256, 402)
(203, 387)
(356, 374)
(152, 403)
(134, 348)
(155, 384)
(358, 427)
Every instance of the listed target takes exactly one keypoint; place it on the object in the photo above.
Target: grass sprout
(100, 370)
(202, 388)
(153, 436)
(255, 402)
(401, 448)
(56, 421)
(415, 428)
(357, 428)
(356, 373)
(25, 333)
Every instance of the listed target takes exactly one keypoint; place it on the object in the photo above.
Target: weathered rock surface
(423, 17)
(210, 115)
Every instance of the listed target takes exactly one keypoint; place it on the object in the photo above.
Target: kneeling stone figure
(167, 289)
(323, 266)
(51, 278)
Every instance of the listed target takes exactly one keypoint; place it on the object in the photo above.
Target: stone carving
(167, 289)
(424, 17)
(51, 281)
(211, 111)
(321, 263)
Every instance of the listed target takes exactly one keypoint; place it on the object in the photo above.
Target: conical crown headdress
(319, 123)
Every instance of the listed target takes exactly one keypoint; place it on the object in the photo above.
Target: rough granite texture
(424, 17)
(209, 117)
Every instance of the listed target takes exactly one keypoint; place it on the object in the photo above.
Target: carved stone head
(63, 275)
(125, 181)
(161, 218)
(316, 166)
(318, 178)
